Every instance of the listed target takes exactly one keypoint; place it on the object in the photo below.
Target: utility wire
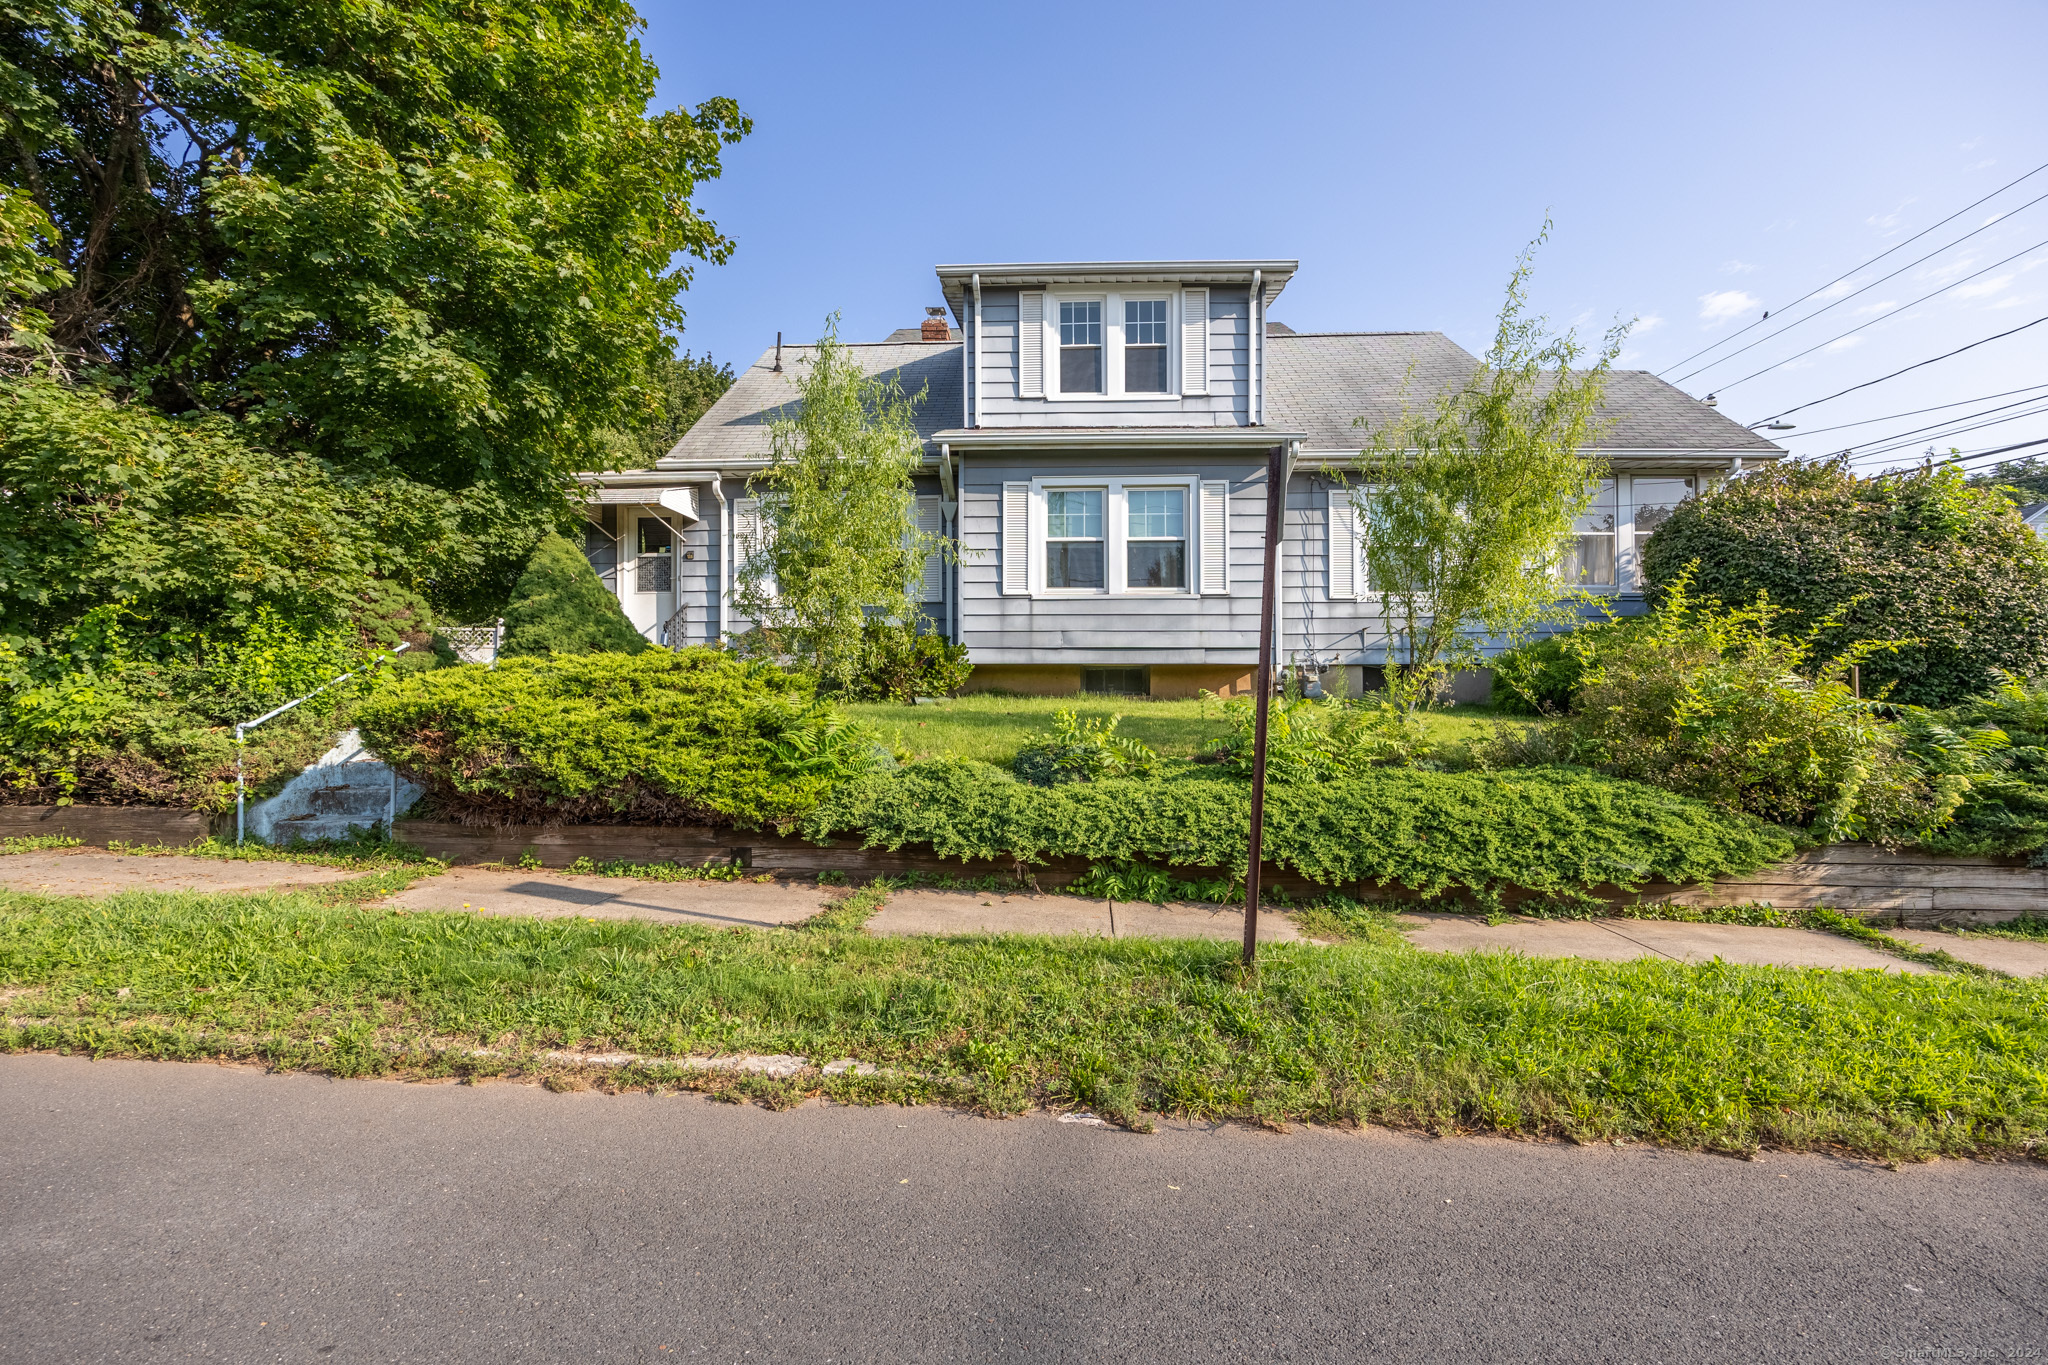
(1723, 388)
(1943, 432)
(1942, 422)
(1837, 303)
(1972, 456)
(1918, 364)
(1893, 417)
(1865, 266)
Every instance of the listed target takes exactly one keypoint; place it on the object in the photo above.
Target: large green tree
(432, 247)
(1920, 557)
(1466, 505)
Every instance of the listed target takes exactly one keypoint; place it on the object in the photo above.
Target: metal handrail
(243, 727)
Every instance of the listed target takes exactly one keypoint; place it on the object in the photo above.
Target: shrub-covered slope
(684, 736)
(1548, 829)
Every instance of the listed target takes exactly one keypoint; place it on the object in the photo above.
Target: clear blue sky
(1701, 163)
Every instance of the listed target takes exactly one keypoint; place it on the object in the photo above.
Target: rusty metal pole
(1276, 498)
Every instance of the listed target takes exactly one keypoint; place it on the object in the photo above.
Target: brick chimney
(935, 328)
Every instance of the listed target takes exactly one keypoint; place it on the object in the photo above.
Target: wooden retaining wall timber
(105, 824)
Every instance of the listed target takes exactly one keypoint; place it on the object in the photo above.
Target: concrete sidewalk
(552, 895)
(966, 912)
(1621, 940)
(95, 872)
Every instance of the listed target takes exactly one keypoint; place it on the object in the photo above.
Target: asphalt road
(190, 1212)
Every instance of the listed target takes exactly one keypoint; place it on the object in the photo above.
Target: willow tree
(1467, 505)
(836, 541)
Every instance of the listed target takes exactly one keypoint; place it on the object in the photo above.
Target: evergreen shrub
(683, 736)
(1555, 830)
(561, 606)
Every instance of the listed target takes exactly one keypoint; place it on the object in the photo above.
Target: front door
(653, 597)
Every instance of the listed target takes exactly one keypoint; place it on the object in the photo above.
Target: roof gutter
(1098, 438)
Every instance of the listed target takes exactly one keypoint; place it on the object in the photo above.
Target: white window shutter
(750, 537)
(1215, 536)
(931, 584)
(1194, 341)
(1343, 547)
(1016, 539)
(1031, 343)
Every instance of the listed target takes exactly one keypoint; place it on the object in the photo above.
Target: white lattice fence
(475, 644)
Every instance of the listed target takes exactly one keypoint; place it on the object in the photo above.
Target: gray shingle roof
(1317, 382)
(735, 429)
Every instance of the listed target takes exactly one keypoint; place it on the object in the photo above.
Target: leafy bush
(1137, 882)
(1709, 702)
(1540, 677)
(1554, 830)
(1921, 558)
(98, 717)
(560, 606)
(900, 663)
(661, 737)
(1083, 751)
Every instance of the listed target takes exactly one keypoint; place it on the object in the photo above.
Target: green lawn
(993, 728)
(1716, 1056)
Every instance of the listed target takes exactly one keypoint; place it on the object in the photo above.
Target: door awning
(681, 501)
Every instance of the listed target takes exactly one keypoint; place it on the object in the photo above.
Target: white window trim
(1116, 534)
(1113, 344)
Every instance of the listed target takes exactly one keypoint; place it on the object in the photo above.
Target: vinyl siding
(1223, 406)
(1108, 630)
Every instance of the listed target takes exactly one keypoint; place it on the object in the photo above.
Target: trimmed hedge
(685, 736)
(1550, 830)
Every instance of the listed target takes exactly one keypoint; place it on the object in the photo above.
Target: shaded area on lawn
(992, 727)
(1718, 1056)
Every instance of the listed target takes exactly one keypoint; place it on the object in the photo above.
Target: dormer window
(1080, 346)
(1145, 345)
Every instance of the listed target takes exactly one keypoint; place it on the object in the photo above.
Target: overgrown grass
(2028, 928)
(1717, 1055)
(361, 849)
(993, 728)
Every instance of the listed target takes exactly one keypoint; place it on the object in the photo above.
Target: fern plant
(1083, 751)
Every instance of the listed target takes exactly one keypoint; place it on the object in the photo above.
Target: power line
(1837, 303)
(1940, 431)
(1865, 266)
(1972, 456)
(1942, 422)
(1723, 388)
(1918, 364)
(1893, 417)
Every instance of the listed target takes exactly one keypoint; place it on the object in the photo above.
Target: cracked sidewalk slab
(1624, 940)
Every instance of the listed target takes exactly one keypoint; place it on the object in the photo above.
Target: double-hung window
(1651, 501)
(1073, 538)
(1156, 538)
(1080, 345)
(1589, 560)
(1145, 345)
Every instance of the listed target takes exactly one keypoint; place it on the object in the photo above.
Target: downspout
(949, 504)
(974, 414)
(724, 558)
(1280, 589)
(1252, 410)
(959, 576)
(966, 366)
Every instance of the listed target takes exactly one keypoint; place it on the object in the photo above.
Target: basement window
(1117, 682)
